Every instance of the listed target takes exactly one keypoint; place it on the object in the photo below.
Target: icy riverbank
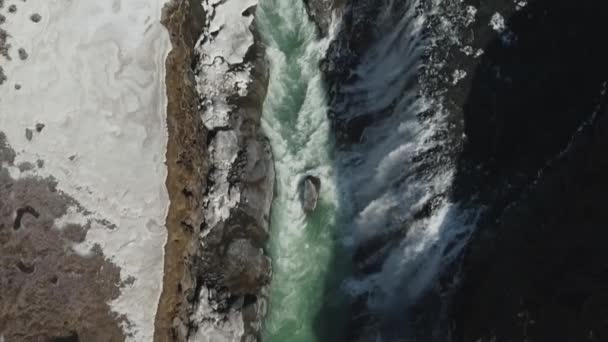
(86, 102)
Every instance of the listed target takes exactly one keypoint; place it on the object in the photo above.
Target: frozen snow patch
(96, 72)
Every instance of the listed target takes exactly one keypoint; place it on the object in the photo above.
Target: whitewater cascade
(295, 121)
(394, 181)
(373, 189)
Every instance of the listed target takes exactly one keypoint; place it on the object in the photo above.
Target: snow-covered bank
(233, 269)
(94, 77)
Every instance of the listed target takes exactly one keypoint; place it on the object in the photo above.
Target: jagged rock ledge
(221, 175)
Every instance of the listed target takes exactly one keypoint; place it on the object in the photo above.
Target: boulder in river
(312, 186)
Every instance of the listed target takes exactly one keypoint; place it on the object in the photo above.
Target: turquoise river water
(304, 248)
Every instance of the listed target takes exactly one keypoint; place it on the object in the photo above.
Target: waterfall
(372, 189)
(295, 121)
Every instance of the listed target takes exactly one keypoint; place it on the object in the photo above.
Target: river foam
(295, 120)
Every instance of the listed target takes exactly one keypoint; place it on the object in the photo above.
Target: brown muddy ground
(187, 170)
(47, 291)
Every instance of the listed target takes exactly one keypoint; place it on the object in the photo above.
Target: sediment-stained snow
(94, 76)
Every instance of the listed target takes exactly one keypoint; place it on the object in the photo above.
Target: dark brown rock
(35, 17)
(29, 134)
(22, 54)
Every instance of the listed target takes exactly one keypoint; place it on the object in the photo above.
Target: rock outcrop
(310, 193)
(232, 268)
(221, 175)
(322, 12)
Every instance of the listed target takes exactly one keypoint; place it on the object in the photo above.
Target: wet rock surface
(310, 193)
(321, 12)
(47, 289)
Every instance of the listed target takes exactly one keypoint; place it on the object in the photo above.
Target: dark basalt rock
(537, 128)
(528, 127)
(310, 195)
(320, 11)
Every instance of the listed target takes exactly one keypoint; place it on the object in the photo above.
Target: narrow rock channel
(302, 245)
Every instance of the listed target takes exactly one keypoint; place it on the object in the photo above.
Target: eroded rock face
(232, 268)
(47, 289)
